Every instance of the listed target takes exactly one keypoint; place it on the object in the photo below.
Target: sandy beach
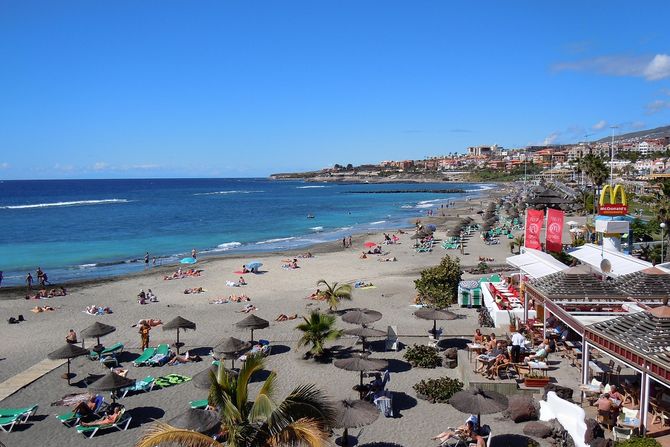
(273, 291)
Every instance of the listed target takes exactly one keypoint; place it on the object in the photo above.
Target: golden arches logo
(613, 194)
(612, 208)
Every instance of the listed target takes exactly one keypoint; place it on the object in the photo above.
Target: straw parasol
(178, 323)
(198, 420)
(69, 351)
(96, 330)
(435, 314)
(203, 381)
(230, 347)
(365, 332)
(252, 322)
(361, 316)
(353, 414)
(361, 363)
(111, 382)
(478, 401)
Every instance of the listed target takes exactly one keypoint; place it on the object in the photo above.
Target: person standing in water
(146, 259)
(194, 254)
(29, 281)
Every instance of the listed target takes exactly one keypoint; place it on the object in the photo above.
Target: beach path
(15, 383)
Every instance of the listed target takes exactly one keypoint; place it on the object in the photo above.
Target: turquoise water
(77, 229)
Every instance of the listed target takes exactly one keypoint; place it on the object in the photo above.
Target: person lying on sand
(316, 295)
(193, 290)
(152, 322)
(239, 299)
(186, 358)
(360, 284)
(306, 255)
(94, 309)
(284, 317)
(220, 301)
(38, 309)
(393, 259)
(248, 308)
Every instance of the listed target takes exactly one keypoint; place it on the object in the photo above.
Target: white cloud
(4, 165)
(100, 166)
(652, 68)
(600, 125)
(657, 106)
(658, 68)
(551, 138)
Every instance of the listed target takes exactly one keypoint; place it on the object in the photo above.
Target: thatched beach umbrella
(178, 323)
(361, 316)
(96, 330)
(198, 420)
(361, 363)
(252, 322)
(230, 348)
(478, 401)
(69, 351)
(111, 382)
(435, 314)
(364, 332)
(203, 379)
(353, 414)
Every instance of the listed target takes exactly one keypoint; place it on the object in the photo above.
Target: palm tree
(595, 168)
(318, 329)
(518, 241)
(335, 293)
(302, 418)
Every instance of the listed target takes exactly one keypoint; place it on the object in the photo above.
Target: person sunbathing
(220, 301)
(109, 419)
(500, 360)
(465, 431)
(248, 308)
(86, 408)
(152, 322)
(193, 290)
(393, 259)
(241, 281)
(186, 358)
(316, 295)
(284, 317)
(151, 296)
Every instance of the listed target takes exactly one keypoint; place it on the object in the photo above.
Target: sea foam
(55, 204)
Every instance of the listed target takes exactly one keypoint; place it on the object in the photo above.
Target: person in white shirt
(518, 340)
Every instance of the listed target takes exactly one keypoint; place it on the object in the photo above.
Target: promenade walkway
(25, 378)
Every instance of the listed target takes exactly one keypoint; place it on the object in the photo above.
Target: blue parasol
(188, 261)
(254, 265)
(431, 227)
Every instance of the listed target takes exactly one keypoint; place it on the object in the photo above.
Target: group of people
(179, 274)
(193, 290)
(38, 309)
(290, 263)
(346, 242)
(50, 293)
(42, 279)
(468, 431)
(231, 299)
(94, 309)
(390, 239)
(149, 296)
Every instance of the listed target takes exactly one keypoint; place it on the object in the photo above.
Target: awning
(622, 264)
(536, 264)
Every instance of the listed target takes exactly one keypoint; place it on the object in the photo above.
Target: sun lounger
(161, 356)
(25, 413)
(141, 386)
(121, 424)
(392, 343)
(7, 423)
(146, 355)
(71, 419)
(199, 404)
(110, 351)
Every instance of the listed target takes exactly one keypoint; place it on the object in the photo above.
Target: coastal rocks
(538, 430)
(593, 431)
(522, 408)
(564, 393)
(559, 435)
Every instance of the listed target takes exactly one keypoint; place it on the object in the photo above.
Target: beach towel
(240, 272)
(170, 380)
(70, 400)
(367, 287)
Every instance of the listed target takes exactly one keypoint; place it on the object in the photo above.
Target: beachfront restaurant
(618, 332)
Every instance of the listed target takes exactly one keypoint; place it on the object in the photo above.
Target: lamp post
(662, 237)
(612, 157)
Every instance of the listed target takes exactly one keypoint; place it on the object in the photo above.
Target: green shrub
(438, 390)
(637, 441)
(423, 356)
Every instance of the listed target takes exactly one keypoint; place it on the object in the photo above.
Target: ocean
(86, 229)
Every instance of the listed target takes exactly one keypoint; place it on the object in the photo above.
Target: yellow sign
(612, 208)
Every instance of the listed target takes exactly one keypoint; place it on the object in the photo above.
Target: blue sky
(93, 89)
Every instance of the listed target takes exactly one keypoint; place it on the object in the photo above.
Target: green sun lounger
(160, 357)
(141, 386)
(7, 423)
(121, 424)
(71, 418)
(144, 358)
(25, 413)
(199, 404)
(112, 350)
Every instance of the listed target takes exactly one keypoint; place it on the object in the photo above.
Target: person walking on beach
(349, 241)
(144, 334)
(146, 259)
(40, 275)
(194, 254)
(344, 242)
(29, 281)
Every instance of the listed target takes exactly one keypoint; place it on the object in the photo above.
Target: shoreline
(17, 292)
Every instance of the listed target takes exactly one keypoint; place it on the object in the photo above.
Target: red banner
(555, 230)
(534, 220)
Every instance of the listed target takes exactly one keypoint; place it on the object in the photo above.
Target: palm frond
(305, 401)
(263, 405)
(252, 364)
(164, 434)
(301, 432)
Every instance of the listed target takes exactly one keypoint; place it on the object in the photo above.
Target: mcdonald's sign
(611, 207)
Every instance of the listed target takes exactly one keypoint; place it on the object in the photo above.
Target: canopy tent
(622, 264)
(536, 263)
